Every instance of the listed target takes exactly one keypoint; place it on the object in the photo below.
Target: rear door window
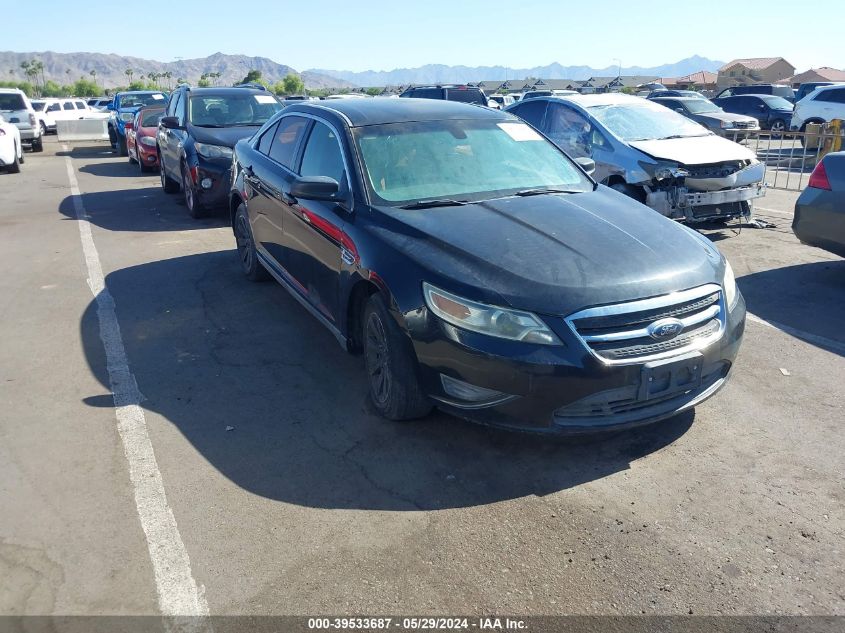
(286, 140)
(427, 93)
(531, 111)
(465, 96)
(11, 102)
(68, 105)
(266, 139)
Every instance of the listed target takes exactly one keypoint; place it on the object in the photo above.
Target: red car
(141, 138)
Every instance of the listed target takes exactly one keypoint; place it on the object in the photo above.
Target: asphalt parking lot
(290, 496)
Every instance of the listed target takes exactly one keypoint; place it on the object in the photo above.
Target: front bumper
(561, 389)
(147, 156)
(693, 206)
(212, 182)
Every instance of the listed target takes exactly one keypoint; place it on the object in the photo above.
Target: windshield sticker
(264, 99)
(158, 97)
(520, 132)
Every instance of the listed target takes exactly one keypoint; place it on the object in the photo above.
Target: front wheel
(778, 128)
(37, 145)
(391, 368)
(629, 190)
(195, 209)
(121, 146)
(247, 254)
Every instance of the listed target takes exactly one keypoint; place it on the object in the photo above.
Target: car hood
(227, 136)
(695, 150)
(552, 254)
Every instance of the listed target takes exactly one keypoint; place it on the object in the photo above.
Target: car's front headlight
(213, 151)
(126, 116)
(515, 325)
(149, 141)
(726, 124)
(729, 284)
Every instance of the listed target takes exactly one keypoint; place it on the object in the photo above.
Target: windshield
(151, 118)
(232, 110)
(645, 121)
(777, 103)
(133, 101)
(701, 105)
(12, 101)
(468, 160)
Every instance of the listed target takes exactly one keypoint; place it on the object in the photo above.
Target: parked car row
(16, 108)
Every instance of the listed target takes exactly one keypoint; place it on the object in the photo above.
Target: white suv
(822, 105)
(16, 109)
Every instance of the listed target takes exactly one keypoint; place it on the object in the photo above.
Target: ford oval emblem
(665, 329)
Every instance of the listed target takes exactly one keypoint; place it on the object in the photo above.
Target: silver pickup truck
(17, 109)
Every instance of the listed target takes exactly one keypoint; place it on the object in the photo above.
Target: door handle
(287, 198)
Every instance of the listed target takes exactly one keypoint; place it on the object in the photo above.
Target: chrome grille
(618, 333)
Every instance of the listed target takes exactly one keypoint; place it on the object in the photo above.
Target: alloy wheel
(243, 238)
(377, 359)
(188, 188)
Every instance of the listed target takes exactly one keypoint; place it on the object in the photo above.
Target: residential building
(701, 80)
(754, 70)
(824, 73)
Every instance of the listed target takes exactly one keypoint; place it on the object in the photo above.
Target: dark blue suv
(123, 110)
(773, 113)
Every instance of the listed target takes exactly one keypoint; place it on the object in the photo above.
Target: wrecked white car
(655, 155)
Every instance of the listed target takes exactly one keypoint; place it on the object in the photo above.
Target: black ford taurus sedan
(480, 269)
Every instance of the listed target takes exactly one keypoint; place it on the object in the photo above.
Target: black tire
(168, 185)
(132, 161)
(121, 146)
(113, 138)
(245, 244)
(15, 166)
(629, 190)
(37, 145)
(391, 367)
(803, 131)
(43, 129)
(778, 128)
(189, 194)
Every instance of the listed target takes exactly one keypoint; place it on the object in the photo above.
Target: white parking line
(178, 593)
(775, 211)
(810, 338)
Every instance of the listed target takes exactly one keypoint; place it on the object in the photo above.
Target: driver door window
(569, 130)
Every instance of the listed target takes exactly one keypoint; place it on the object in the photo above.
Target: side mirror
(761, 107)
(110, 106)
(681, 110)
(587, 164)
(170, 122)
(314, 188)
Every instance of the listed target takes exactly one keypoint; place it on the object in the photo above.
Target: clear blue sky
(387, 34)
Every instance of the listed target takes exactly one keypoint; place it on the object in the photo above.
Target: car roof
(604, 99)
(228, 90)
(680, 98)
(360, 112)
(832, 86)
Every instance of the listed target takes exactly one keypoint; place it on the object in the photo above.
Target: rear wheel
(247, 254)
(43, 129)
(132, 161)
(15, 166)
(391, 368)
(121, 146)
(37, 145)
(168, 185)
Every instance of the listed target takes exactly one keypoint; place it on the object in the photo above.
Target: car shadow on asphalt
(804, 297)
(148, 209)
(211, 351)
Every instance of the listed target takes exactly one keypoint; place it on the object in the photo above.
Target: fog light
(206, 183)
(152, 159)
(472, 395)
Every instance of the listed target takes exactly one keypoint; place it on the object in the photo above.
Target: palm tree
(153, 77)
(215, 76)
(167, 75)
(93, 74)
(129, 72)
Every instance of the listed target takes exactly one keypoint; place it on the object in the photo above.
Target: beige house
(702, 80)
(755, 70)
(824, 73)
